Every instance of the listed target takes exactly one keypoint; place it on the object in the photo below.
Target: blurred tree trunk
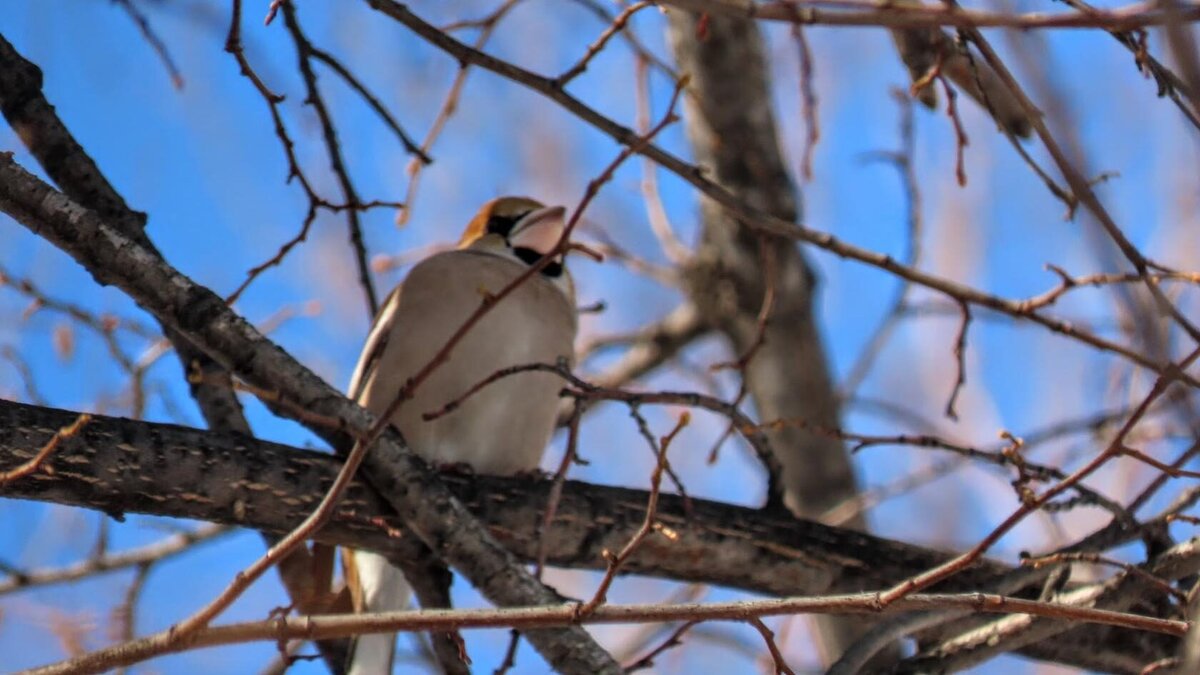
(732, 132)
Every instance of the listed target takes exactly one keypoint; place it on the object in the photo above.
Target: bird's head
(523, 230)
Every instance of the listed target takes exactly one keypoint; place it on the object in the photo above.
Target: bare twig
(1169, 84)
(617, 25)
(343, 625)
(570, 456)
(18, 362)
(648, 525)
(808, 101)
(1027, 470)
(124, 615)
(673, 640)
(1035, 502)
(486, 26)
(960, 360)
(781, 666)
(1082, 187)
(674, 249)
(373, 101)
(904, 159)
(38, 460)
(960, 134)
(155, 41)
(913, 15)
(353, 205)
(106, 562)
(233, 45)
(648, 347)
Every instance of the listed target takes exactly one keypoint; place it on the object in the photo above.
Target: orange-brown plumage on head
(498, 217)
(523, 230)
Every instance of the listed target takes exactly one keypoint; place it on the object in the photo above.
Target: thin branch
(1003, 457)
(673, 640)
(24, 372)
(648, 347)
(643, 428)
(648, 525)
(781, 666)
(373, 101)
(1035, 502)
(960, 134)
(156, 43)
(1181, 37)
(904, 159)
(526, 618)
(124, 615)
(808, 102)
(635, 44)
(107, 562)
(233, 45)
(869, 13)
(617, 25)
(486, 26)
(36, 462)
(1068, 283)
(333, 148)
(1169, 84)
(960, 360)
(1081, 186)
(674, 249)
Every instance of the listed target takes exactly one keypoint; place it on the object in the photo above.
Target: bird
(504, 428)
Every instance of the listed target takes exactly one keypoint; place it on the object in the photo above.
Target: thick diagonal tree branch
(76, 174)
(31, 115)
(120, 466)
(203, 318)
(238, 480)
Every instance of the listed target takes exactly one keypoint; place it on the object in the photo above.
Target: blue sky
(204, 163)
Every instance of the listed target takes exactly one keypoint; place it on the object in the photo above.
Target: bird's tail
(375, 586)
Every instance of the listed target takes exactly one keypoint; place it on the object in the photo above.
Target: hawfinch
(503, 428)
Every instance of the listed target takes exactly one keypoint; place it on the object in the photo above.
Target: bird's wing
(377, 340)
(374, 585)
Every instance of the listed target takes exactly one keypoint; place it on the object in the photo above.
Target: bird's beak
(540, 230)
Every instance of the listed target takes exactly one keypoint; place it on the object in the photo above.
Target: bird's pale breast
(503, 428)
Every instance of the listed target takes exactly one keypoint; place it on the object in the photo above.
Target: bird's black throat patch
(529, 256)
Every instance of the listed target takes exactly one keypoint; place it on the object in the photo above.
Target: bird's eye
(502, 225)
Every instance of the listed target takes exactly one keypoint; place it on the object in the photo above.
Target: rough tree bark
(119, 466)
